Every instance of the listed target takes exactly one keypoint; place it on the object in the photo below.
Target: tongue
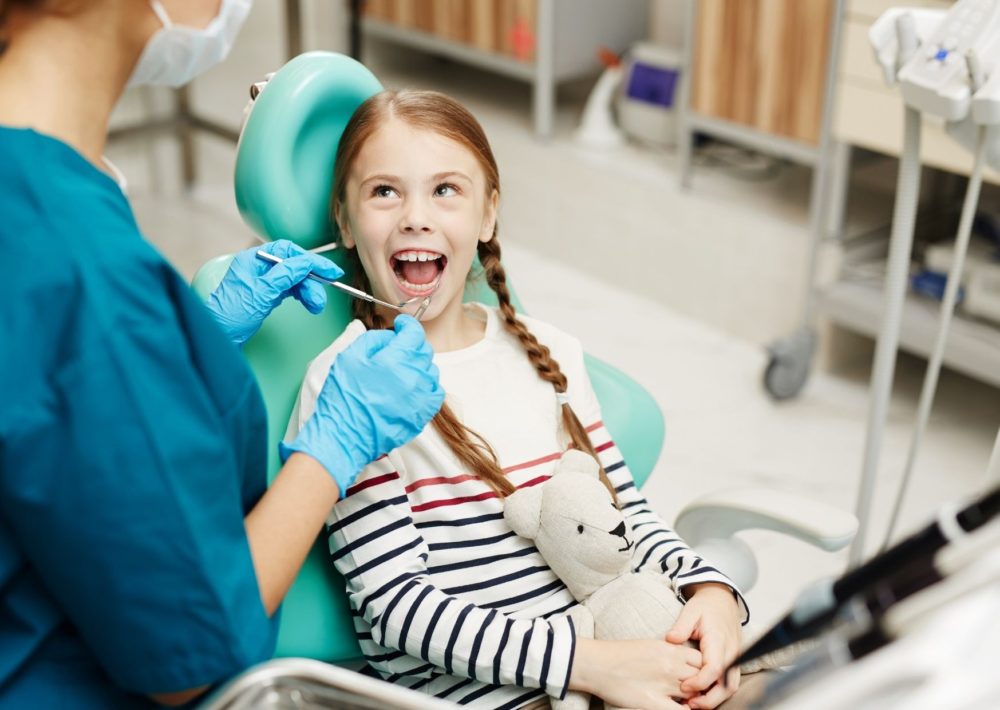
(420, 272)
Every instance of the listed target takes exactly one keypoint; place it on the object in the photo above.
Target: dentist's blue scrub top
(132, 443)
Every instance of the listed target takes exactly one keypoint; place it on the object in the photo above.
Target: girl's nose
(414, 220)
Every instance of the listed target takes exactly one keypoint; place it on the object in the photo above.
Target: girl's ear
(343, 224)
(490, 217)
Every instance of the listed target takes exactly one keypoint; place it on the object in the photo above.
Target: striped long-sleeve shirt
(447, 598)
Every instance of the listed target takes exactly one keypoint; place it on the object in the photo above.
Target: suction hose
(947, 310)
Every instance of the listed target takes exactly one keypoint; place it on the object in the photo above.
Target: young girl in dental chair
(447, 598)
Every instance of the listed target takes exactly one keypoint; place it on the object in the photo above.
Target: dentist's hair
(433, 111)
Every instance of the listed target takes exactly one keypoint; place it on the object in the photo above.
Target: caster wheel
(789, 365)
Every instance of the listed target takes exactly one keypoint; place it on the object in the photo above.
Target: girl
(447, 599)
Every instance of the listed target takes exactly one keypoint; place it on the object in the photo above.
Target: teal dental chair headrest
(284, 166)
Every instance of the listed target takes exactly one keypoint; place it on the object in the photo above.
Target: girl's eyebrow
(382, 177)
(434, 178)
(450, 173)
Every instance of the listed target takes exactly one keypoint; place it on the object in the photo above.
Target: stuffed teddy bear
(585, 540)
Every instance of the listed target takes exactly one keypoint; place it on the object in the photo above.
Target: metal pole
(993, 472)
(185, 136)
(355, 28)
(818, 198)
(685, 136)
(887, 345)
(293, 28)
(544, 98)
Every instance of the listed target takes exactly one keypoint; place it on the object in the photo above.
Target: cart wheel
(789, 365)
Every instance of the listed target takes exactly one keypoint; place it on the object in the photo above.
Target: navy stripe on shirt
(404, 632)
(425, 647)
(365, 539)
(459, 522)
(494, 581)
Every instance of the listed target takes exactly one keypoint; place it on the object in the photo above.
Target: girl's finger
(684, 626)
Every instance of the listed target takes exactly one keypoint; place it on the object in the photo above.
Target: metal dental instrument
(424, 305)
(356, 292)
(912, 557)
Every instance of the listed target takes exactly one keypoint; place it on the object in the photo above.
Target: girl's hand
(711, 618)
(634, 674)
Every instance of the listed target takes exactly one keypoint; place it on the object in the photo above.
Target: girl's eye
(445, 190)
(383, 191)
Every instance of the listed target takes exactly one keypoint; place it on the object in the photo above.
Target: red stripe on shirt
(529, 464)
(436, 480)
(534, 482)
(429, 505)
(439, 479)
(452, 501)
(604, 447)
(594, 427)
(372, 482)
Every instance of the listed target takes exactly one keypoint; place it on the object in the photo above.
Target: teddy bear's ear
(523, 511)
(580, 462)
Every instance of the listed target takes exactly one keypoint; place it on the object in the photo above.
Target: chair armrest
(723, 513)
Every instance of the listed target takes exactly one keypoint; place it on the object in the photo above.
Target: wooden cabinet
(504, 27)
(543, 42)
(762, 64)
(761, 76)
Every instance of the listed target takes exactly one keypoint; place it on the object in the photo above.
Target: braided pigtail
(539, 355)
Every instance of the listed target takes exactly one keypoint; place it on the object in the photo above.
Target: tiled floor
(680, 290)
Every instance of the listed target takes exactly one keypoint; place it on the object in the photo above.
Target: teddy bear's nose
(620, 530)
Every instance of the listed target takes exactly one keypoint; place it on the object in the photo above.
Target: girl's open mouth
(418, 271)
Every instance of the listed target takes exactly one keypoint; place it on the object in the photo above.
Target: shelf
(779, 146)
(435, 44)
(973, 347)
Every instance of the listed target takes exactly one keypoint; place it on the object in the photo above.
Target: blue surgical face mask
(177, 54)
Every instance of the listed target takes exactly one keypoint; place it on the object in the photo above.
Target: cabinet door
(762, 63)
(498, 26)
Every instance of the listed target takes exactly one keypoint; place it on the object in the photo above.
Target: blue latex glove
(252, 287)
(380, 393)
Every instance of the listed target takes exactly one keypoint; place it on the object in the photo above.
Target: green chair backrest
(283, 180)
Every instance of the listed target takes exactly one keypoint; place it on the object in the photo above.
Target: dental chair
(284, 173)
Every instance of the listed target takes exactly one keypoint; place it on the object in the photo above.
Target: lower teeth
(418, 287)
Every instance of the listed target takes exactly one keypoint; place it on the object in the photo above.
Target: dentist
(142, 557)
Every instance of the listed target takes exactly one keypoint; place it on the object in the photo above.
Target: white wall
(666, 23)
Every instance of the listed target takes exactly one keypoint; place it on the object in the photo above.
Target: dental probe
(356, 292)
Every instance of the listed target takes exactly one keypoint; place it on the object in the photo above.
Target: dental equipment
(940, 58)
(868, 632)
(819, 604)
(425, 302)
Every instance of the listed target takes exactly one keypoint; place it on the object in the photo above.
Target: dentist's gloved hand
(252, 287)
(380, 393)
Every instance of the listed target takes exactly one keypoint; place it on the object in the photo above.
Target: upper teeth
(417, 256)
